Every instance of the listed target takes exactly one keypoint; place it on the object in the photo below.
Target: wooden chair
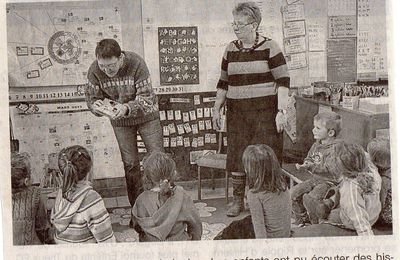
(214, 161)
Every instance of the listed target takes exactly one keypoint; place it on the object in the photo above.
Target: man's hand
(98, 103)
(280, 121)
(216, 120)
(121, 111)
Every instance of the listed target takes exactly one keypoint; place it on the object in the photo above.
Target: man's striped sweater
(254, 73)
(82, 218)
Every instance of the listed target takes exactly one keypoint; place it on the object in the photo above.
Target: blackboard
(341, 60)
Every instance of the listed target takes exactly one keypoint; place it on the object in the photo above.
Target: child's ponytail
(166, 188)
(74, 163)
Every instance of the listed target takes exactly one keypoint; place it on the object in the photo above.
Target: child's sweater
(321, 157)
(270, 213)
(82, 218)
(175, 220)
(360, 202)
(30, 223)
(131, 86)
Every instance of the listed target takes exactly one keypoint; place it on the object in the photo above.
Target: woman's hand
(216, 120)
(280, 121)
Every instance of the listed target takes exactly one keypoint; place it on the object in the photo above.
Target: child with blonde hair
(30, 222)
(164, 212)
(356, 204)
(379, 152)
(79, 214)
(306, 195)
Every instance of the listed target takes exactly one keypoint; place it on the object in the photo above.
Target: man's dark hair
(108, 48)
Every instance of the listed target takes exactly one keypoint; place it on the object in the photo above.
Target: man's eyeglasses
(110, 66)
(240, 26)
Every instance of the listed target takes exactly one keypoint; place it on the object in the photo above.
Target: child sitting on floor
(268, 198)
(164, 212)
(79, 214)
(379, 152)
(30, 222)
(327, 126)
(356, 204)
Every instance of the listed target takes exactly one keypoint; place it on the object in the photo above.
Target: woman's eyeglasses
(240, 26)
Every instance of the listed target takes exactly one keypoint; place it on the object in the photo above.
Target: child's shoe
(310, 203)
(236, 207)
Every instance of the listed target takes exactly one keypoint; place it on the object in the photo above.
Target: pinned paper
(225, 140)
(197, 99)
(186, 141)
(200, 141)
(170, 114)
(162, 115)
(195, 129)
(207, 139)
(173, 141)
(207, 112)
(192, 115)
(179, 141)
(166, 141)
(178, 115)
(194, 142)
(181, 129)
(199, 112)
(208, 125)
(213, 138)
(171, 128)
(185, 117)
(165, 131)
(187, 127)
(201, 125)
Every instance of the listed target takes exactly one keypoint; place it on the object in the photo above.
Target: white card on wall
(192, 115)
(185, 117)
(178, 115)
(201, 125)
(181, 129)
(170, 114)
(207, 112)
(162, 115)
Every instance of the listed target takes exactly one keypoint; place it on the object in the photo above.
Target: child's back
(79, 214)
(164, 212)
(30, 222)
(175, 220)
(29, 217)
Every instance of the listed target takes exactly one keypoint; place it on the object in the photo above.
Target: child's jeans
(315, 187)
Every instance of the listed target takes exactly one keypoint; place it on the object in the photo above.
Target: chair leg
(199, 183)
(227, 186)
(212, 179)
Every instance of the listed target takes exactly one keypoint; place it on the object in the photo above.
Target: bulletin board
(212, 19)
(56, 46)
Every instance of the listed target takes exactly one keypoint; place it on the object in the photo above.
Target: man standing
(122, 79)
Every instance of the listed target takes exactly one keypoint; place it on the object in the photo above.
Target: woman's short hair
(249, 9)
(108, 48)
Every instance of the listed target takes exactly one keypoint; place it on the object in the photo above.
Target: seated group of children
(349, 188)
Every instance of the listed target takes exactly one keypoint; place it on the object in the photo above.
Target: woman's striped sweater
(253, 73)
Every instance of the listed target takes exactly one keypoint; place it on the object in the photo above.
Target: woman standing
(254, 82)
